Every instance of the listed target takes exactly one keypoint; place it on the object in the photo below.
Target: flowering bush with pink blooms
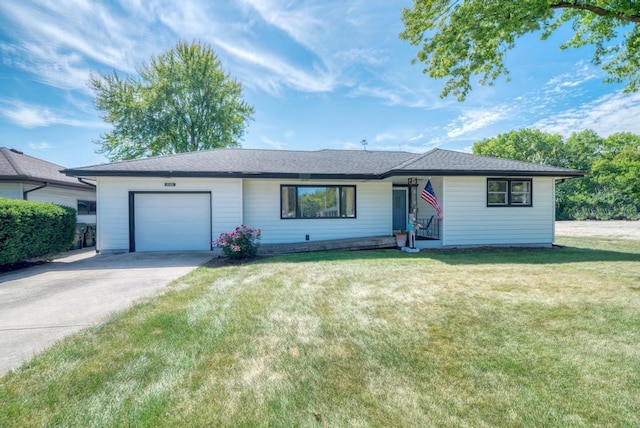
(242, 243)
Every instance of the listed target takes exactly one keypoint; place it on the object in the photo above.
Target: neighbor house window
(507, 192)
(317, 201)
(86, 207)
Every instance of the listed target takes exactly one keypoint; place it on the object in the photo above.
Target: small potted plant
(401, 237)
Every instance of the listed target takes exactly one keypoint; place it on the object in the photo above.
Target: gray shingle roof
(447, 162)
(317, 164)
(16, 166)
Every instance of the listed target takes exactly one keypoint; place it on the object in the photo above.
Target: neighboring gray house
(25, 177)
(184, 201)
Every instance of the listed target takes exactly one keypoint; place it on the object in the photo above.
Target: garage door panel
(172, 221)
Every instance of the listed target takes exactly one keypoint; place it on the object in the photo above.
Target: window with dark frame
(86, 207)
(305, 202)
(508, 192)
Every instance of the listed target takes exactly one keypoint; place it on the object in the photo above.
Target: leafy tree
(529, 145)
(583, 148)
(182, 101)
(459, 39)
(619, 165)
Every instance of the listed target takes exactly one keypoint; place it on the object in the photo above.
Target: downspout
(24, 194)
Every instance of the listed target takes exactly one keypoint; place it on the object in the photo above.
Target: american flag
(430, 197)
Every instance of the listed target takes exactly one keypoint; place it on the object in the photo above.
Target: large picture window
(507, 192)
(317, 202)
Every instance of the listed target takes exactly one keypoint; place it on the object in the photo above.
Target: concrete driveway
(42, 304)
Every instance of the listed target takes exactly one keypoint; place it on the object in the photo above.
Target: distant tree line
(611, 188)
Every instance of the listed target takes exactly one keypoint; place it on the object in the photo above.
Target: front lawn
(381, 338)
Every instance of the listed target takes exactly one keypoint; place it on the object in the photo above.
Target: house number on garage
(169, 184)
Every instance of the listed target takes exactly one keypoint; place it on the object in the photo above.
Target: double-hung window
(507, 192)
(317, 201)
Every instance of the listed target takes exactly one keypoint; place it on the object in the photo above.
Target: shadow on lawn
(555, 255)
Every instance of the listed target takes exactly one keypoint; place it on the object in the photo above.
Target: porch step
(348, 244)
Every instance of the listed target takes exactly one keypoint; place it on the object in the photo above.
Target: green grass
(382, 338)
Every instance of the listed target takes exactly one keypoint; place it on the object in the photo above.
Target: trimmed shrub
(241, 243)
(31, 229)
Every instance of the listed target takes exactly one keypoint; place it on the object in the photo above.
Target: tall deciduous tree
(529, 145)
(619, 165)
(182, 101)
(463, 39)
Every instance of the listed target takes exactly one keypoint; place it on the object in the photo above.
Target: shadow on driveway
(88, 259)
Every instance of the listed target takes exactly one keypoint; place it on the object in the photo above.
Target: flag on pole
(430, 197)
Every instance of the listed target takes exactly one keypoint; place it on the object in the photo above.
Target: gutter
(81, 180)
(24, 194)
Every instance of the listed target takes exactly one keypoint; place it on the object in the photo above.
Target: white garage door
(172, 221)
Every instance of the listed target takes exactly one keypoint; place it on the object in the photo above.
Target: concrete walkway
(42, 304)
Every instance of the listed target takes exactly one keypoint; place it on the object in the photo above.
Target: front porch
(346, 244)
(407, 201)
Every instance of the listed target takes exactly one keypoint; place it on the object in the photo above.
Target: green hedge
(34, 229)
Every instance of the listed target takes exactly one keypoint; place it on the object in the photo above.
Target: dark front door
(399, 209)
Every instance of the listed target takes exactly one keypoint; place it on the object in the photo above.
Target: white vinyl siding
(262, 209)
(66, 197)
(113, 204)
(468, 221)
(51, 194)
(11, 190)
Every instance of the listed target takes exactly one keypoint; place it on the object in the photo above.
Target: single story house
(184, 201)
(29, 178)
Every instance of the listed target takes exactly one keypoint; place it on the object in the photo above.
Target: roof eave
(501, 173)
(39, 181)
(219, 174)
(315, 176)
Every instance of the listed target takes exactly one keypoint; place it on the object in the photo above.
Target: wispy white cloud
(582, 73)
(302, 21)
(280, 70)
(321, 28)
(274, 144)
(416, 138)
(60, 40)
(467, 149)
(368, 56)
(405, 139)
(606, 115)
(392, 96)
(386, 136)
(41, 146)
(33, 116)
(474, 120)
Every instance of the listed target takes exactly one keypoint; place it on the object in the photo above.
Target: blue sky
(320, 74)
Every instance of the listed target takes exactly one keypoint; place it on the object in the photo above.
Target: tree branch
(595, 9)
